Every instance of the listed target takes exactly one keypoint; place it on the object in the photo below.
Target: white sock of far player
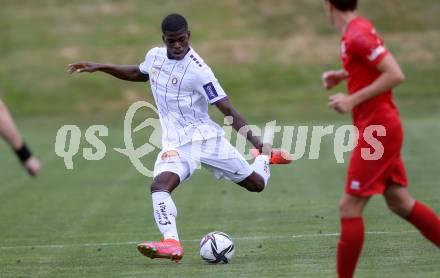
(165, 213)
(261, 167)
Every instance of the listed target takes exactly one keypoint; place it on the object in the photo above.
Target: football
(217, 248)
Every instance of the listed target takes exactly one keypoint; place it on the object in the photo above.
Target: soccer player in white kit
(183, 86)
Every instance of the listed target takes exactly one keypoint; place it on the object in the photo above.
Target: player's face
(177, 43)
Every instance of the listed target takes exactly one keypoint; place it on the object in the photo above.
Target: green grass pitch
(86, 222)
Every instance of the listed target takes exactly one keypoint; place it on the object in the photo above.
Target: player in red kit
(371, 72)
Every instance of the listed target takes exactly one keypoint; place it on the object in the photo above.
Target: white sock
(261, 167)
(165, 213)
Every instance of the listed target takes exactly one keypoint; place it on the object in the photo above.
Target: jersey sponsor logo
(210, 91)
(376, 53)
(355, 185)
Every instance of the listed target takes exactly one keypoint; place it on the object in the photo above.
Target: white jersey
(182, 90)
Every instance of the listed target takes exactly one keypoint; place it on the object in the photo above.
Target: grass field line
(279, 237)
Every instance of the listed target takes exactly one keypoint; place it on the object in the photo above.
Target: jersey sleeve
(146, 65)
(369, 46)
(208, 85)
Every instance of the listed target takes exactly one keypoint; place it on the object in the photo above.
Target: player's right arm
(124, 72)
(332, 78)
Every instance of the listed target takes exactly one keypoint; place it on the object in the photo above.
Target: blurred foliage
(268, 55)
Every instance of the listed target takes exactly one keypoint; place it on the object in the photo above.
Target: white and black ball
(217, 248)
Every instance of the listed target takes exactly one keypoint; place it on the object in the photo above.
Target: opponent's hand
(32, 166)
(341, 102)
(83, 67)
(332, 78)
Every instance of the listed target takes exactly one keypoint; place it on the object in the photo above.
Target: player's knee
(166, 181)
(255, 186)
(349, 209)
(399, 200)
(155, 186)
(253, 183)
(344, 207)
(258, 185)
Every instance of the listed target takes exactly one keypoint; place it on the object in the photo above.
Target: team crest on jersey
(174, 81)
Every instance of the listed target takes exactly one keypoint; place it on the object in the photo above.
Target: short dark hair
(344, 5)
(174, 23)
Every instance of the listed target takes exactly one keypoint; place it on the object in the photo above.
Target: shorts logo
(355, 185)
(169, 154)
(210, 91)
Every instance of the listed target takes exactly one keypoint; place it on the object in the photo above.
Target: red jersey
(361, 51)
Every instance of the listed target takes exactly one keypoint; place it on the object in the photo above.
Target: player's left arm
(9, 132)
(240, 125)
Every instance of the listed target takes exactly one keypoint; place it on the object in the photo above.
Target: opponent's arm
(238, 122)
(391, 76)
(124, 72)
(9, 132)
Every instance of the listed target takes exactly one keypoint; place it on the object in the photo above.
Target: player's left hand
(32, 166)
(341, 102)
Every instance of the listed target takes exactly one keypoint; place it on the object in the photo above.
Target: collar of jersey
(184, 57)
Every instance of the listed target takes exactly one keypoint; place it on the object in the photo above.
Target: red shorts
(366, 177)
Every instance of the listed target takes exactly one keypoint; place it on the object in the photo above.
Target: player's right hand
(277, 156)
(332, 78)
(32, 166)
(83, 67)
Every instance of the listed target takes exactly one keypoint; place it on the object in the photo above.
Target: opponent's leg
(352, 234)
(165, 214)
(422, 217)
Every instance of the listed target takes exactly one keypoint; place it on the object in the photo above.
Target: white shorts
(216, 155)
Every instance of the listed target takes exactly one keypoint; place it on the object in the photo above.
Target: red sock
(350, 245)
(426, 221)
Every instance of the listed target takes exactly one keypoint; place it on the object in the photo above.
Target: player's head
(333, 8)
(175, 35)
(343, 5)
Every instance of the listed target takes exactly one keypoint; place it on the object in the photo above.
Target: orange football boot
(165, 249)
(278, 156)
